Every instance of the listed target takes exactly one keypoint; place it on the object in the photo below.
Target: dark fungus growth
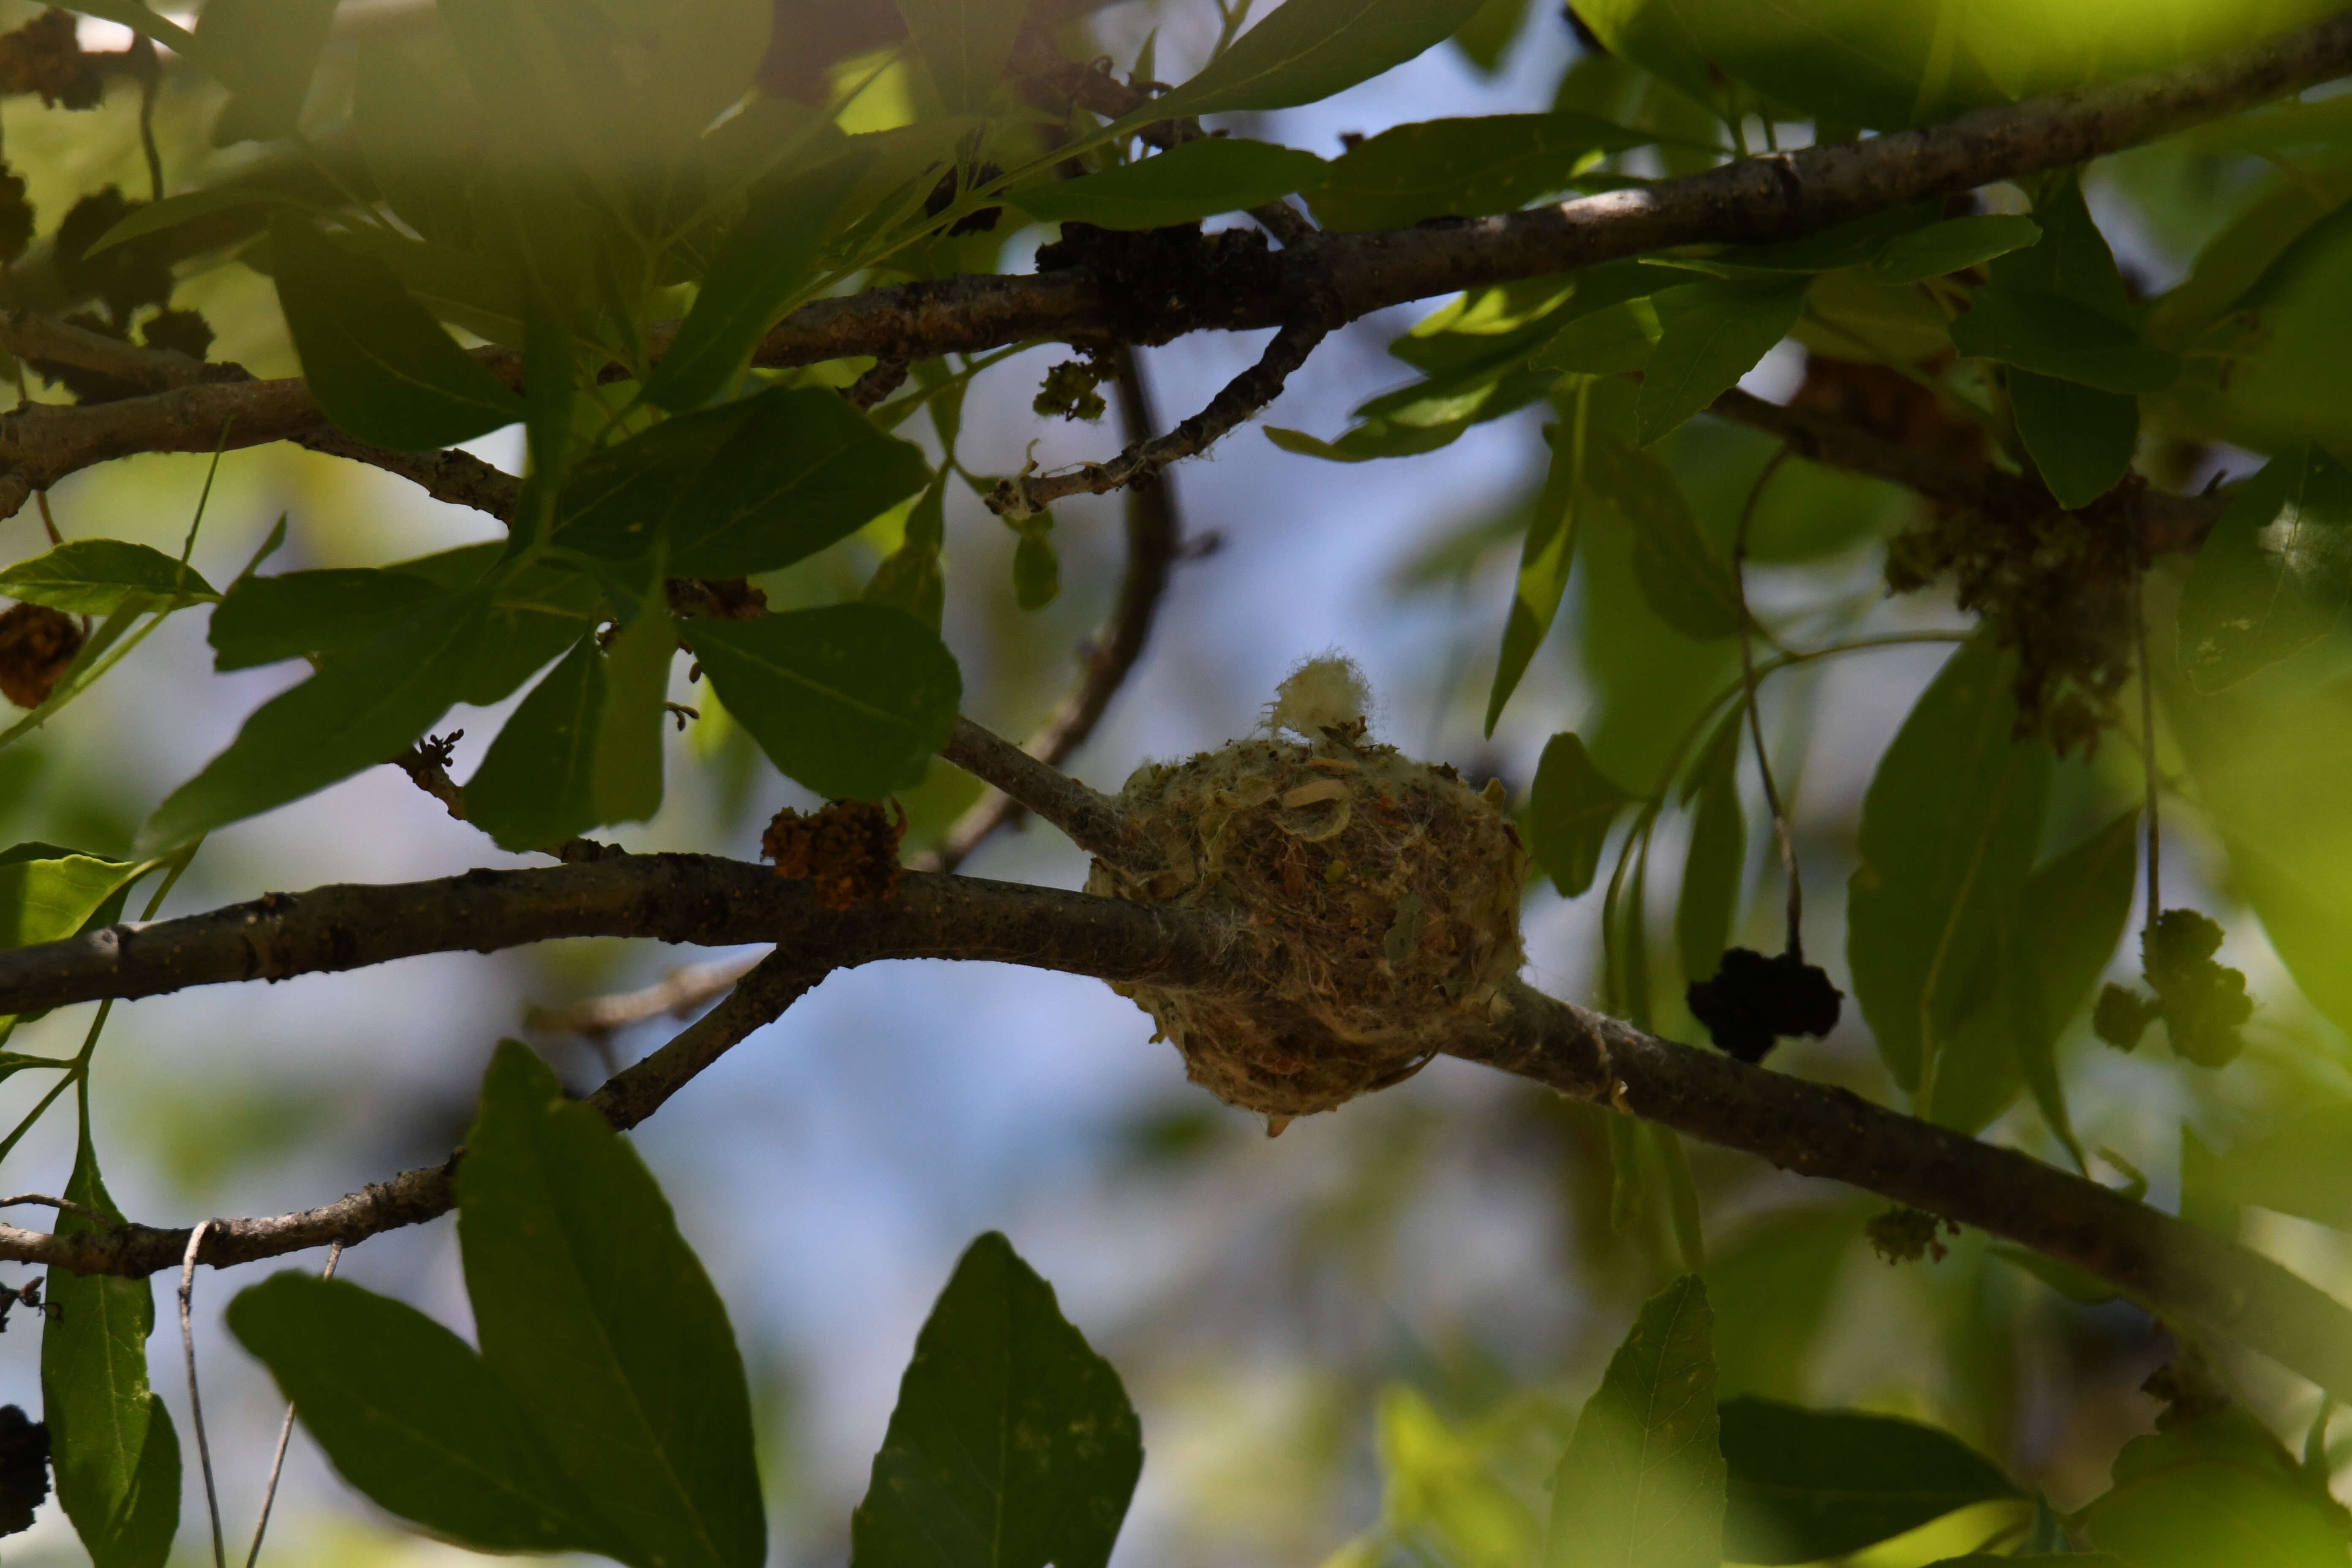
(1753, 1001)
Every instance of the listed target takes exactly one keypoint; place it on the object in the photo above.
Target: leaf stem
(1796, 940)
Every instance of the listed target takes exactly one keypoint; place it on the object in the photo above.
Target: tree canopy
(1918, 438)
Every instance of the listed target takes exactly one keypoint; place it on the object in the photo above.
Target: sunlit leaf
(100, 576)
(1545, 559)
(2273, 576)
(1709, 335)
(1012, 1444)
(1642, 1479)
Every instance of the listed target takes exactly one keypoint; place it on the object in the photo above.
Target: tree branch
(1771, 197)
(1155, 535)
(1092, 819)
(2170, 1267)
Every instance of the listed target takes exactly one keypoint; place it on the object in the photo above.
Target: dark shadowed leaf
(965, 43)
(1680, 574)
(410, 1416)
(2057, 337)
(1808, 1484)
(2069, 921)
(1709, 335)
(1704, 913)
(1642, 1479)
(267, 50)
(1545, 560)
(2080, 437)
(1013, 1445)
(597, 1316)
(100, 576)
(1461, 168)
(1193, 180)
(173, 211)
(1571, 809)
(116, 1457)
(2275, 574)
(1310, 49)
(355, 713)
(262, 620)
(752, 486)
(628, 762)
(1951, 246)
(537, 783)
(851, 699)
(1948, 832)
(763, 262)
(379, 365)
(418, 130)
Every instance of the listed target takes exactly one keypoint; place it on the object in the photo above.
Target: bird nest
(1376, 898)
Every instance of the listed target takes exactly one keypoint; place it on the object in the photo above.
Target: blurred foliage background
(1365, 1340)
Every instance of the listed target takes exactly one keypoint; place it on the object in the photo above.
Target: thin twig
(1796, 941)
(285, 1437)
(196, 1399)
(681, 993)
(66, 1204)
(2148, 745)
(1025, 495)
(1155, 538)
(1091, 818)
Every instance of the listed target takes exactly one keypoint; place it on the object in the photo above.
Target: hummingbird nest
(1375, 898)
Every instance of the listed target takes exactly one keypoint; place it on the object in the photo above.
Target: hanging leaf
(2070, 919)
(910, 579)
(1952, 246)
(1461, 168)
(595, 1314)
(537, 783)
(1709, 335)
(1013, 1445)
(1808, 1484)
(2081, 438)
(1192, 181)
(1705, 912)
(378, 363)
(851, 699)
(155, 218)
(262, 620)
(2273, 576)
(116, 1457)
(1642, 1479)
(1545, 559)
(628, 755)
(1570, 810)
(1310, 49)
(410, 1416)
(1949, 831)
(2054, 336)
(100, 576)
(355, 713)
(965, 43)
(1679, 572)
(764, 263)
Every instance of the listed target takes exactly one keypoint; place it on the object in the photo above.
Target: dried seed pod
(1377, 900)
(37, 645)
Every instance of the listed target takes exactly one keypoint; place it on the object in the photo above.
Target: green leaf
(1310, 49)
(100, 576)
(1949, 831)
(1642, 1479)
(850, 700)
(1952, 246)
(2081, 438)
(2055, 336)
(1612, 340)
(410, 1416)
(1808, 1484)
(2197, 1515)
(537, 783)
(1190, 181)
(2072, 260)
(1012, 1444)
(1684, 580)
(2273, 576)
(155, 218)
(1545, 559)
(262, 620)
(266, 51)
(116, 1457)
(752, 487)
(594, 1311)
(1462, 168)
(1036, 570)
(1773, 1282)
(1570, 809)
(2302, 1167)
(1709, 335)
(2069, 921)
(628, 760)
(910, 579)
(47, 894)
(1710, 903)
(419, 131)
(965, 43)
(761, 266)
(357, 712)
(378, 363)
